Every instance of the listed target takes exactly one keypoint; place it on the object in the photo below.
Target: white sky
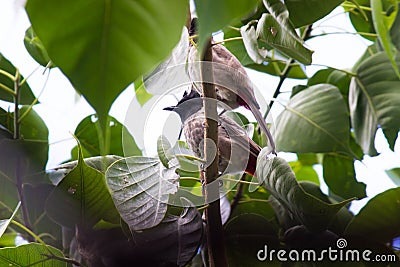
(62, 109)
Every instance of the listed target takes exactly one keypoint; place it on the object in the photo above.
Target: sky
(62, 109)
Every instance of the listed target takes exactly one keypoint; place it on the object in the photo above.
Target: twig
(214, 229)
(239, 193)
(19, 165)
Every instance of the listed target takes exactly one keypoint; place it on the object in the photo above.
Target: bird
(232, 84)
(237, 152)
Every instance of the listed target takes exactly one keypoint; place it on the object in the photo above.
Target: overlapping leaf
(277, 177)
(82, 198)
(315, 120)
(374, 102)
(176, 239)
(379, 219)
(140, 188)
(340, 176)
(215, 15)
(107, 44)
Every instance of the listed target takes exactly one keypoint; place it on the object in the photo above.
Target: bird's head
(189, 104)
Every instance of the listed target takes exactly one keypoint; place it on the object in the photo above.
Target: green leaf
(26, 95)
(176, 239)
(164, 150)
(102, 53)
(82, 197)
(304, 172)
(121, 142)
(4, 223)
(31, 254)
(315, 120)
(215, 15)
(394, 174)
(394, 31)
(245, 235)
(379, 219)
(141, 94)
(270, 66)
(361, 19)
(35, 48)
(340, 176)
(382, 24)
(278, 33)
(140, 188)
(8, 239)
(277, 177)
(375, 102)
(304, 12)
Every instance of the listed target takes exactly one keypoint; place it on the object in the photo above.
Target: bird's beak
(171, 108)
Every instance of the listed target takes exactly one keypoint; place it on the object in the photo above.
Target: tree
(112, 206)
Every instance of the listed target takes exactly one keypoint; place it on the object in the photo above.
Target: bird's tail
(260, 120)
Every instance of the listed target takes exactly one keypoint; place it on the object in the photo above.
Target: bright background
(62, 109)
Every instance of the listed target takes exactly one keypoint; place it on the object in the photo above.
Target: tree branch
(214, 229)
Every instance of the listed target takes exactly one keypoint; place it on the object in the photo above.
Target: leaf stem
(8, 75)
(7, 89)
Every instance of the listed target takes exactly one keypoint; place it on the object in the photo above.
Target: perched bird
(232, 84)
(237, 152)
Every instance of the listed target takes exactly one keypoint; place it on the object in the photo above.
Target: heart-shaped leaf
(107, 44)
(315, 120)
(140, 188)
(374, 102)
(277, 177)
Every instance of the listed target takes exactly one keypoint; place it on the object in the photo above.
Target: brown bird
(232, 84)
(237, 152)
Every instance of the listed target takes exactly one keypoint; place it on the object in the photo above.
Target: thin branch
(239, 193)
(8, 75)
(7, 89)
(214, 229)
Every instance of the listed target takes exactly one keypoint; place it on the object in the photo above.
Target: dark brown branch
(214, 229)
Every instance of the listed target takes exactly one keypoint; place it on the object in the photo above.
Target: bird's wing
(236, 132)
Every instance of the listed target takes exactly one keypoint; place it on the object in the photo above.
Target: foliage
(112, 206)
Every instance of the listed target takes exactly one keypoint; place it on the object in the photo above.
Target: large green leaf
(374, 101)
(304, 12)
(140, 188)
(304, 172)
(270, 66)
(102, 46)
(379, 219)
(215, 15)
(276, 30)
(340, 176)
(87, 133)
(278, 178)
(32, 254)
(315, 120)
(26, 95)
(82, 197)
